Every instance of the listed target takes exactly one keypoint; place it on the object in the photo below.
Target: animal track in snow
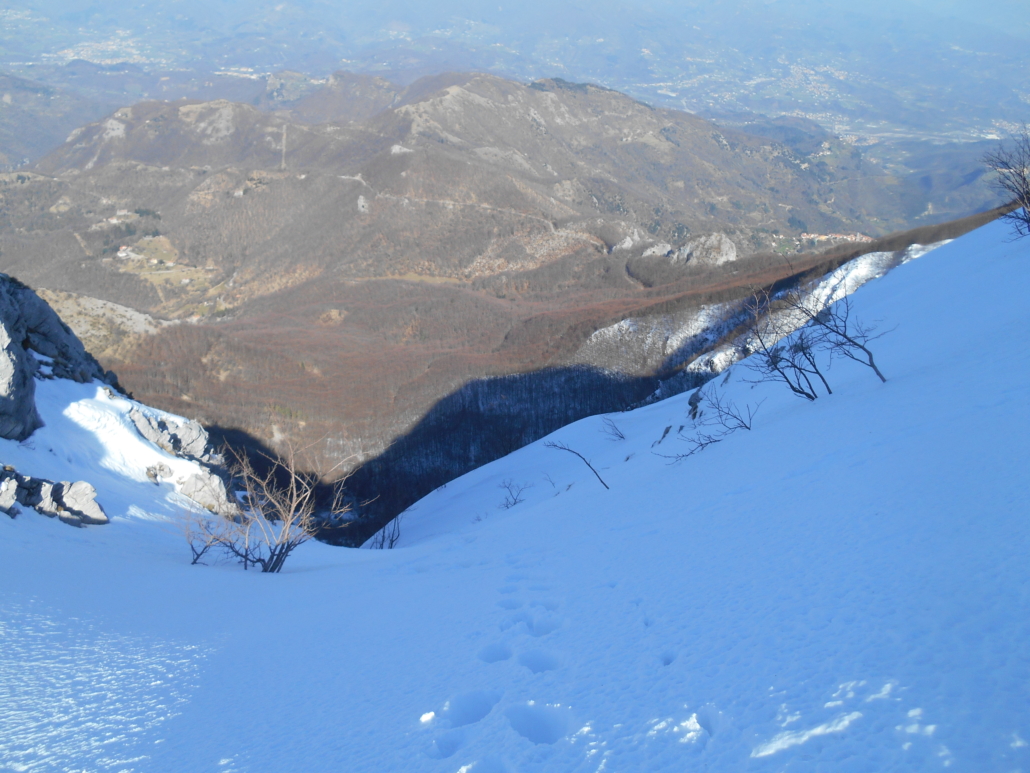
(539, 661)
(537, 624)
(494, 653)
(550, 606)
(447, 745)
(540, 724)
(457, 714)
(468, 708)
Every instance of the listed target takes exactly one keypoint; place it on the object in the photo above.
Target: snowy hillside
(845, 587)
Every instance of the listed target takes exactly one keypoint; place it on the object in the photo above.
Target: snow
(843, 588)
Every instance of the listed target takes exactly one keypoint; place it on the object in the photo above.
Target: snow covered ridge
(55, 396)
(667, 341)
(843, 588)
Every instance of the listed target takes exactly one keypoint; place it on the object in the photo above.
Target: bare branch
(792, 363)
(837, 329)
(563, 447)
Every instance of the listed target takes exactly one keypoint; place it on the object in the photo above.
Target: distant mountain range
(330, 267)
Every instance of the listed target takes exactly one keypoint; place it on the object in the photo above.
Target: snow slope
(843, 588)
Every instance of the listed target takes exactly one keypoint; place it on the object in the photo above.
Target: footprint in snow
(455, 717)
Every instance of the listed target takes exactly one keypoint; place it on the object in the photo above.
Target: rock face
(188, 439)
(27, 325)
(73, 503)
(711, 250)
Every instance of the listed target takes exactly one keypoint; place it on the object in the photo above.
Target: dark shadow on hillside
(480, 422)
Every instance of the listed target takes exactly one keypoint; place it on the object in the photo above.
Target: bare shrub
(275, 514)
(715, 418)
(513, 493)
(388, 536)
(1011, 164)
(610, 429)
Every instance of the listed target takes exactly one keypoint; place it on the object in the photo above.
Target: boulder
(80, 500)
(73, 503)
(188, 439)
(207, 489)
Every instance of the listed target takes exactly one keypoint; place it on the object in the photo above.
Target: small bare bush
(275, 514)
(610, 429)
(779, 352)
(715, 417)
(513, 493)
(388, 536)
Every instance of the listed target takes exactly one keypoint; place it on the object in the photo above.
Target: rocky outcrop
(28, 325)
(710, 250)
(186, 438)
(73, 503)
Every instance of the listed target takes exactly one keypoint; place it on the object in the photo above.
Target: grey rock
(47, 503)
(18, 416)
(158, 471)
(9, 494)
(710, 250)
(28, 323)
(188, 439)
(80, 499)
(207, 489)
(73, 503)
(28, 491)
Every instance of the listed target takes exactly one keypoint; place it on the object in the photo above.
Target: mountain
(332, 282)
(35, 118)
(843, 586)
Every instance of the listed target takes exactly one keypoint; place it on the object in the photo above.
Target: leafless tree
(1011, 163)
(847, 336)
(275, 514)
(779, 355)
(513, 494)
(564, 447)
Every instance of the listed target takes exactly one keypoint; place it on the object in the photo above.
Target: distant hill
(35, 118)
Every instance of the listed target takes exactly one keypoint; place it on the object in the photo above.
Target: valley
(368, 262)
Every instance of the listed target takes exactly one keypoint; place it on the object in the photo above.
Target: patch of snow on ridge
(88, 435)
